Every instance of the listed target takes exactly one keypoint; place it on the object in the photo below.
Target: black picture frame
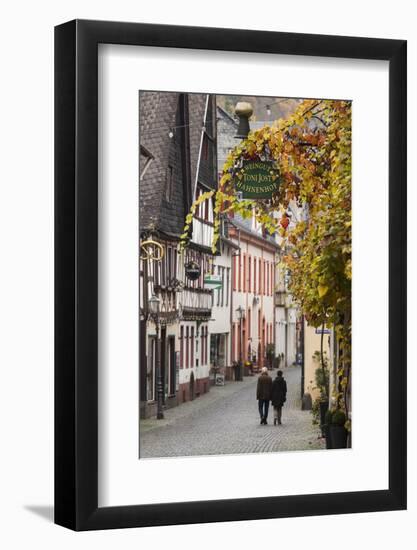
(76, 271)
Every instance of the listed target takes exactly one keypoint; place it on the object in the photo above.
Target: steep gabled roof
(157, 115)
(171, 126)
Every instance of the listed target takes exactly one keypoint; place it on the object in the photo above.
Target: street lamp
(154, 309)
(240, 315)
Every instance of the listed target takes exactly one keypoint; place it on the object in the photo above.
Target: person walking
(278, 396)
(263, 394)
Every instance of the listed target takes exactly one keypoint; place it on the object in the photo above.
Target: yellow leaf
(322, 289)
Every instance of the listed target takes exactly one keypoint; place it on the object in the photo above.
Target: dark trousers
(263, 405)
(278, 413)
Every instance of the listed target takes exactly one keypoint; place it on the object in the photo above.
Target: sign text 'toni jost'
(260, 180)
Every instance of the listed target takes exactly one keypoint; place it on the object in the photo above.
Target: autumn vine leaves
(312, 151)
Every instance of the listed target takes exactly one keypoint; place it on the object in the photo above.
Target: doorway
(171, 366)
(192, 387)
(163, 365)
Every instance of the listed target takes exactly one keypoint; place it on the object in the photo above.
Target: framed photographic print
(230, 338)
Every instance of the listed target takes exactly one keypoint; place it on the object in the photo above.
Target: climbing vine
(311, 212)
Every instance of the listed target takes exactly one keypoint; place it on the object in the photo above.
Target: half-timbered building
(177, 163)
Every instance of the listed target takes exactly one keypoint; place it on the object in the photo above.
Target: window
(250, 274)
(169, 265)
(154, 272)
(204, 338)
(260, 277)
(267, 277)
(169, 183)
(187, 348)
(174, 274)
(244, 274)
(203, 266)
(243, 338)
(182, 347)
(222, 288)
(234, 272)
(254, 275)
(204, 207)
(150, 386)
(239, 272)
(227, 285)
(163, 264)
(218, 289)
(192, 347)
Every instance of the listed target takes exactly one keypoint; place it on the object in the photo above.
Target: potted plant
(321, 375)
(270, 348)
(326, 428)
(337, 430)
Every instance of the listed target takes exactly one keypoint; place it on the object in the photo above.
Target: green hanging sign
(213, 281)
(257, 179)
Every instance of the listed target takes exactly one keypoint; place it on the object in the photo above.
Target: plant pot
(338, 437)
(326, 429)
(324, 405)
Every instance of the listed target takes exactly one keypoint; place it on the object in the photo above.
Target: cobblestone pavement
(226, 421)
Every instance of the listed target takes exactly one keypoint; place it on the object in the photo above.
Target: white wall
(280, 330)
(312, 342)
(221, 314)
(245, 299)
(26, 402)
(291, 335)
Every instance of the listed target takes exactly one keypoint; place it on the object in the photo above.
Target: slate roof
(246, 225)
(159, 113)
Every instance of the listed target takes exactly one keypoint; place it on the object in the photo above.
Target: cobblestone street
(226, 421)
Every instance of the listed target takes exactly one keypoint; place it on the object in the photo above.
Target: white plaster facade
(253, 290)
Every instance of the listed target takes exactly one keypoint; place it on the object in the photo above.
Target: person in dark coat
(278, 396)
(263, 394)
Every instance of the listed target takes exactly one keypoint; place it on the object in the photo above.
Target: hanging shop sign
(212, 281)
(192, 271)
(258, 179)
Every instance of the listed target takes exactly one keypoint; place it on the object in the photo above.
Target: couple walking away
(268, 390)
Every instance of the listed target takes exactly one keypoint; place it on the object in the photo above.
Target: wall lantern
(240, 313)
(154, 306)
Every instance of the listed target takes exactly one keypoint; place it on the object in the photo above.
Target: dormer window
(146, 159)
